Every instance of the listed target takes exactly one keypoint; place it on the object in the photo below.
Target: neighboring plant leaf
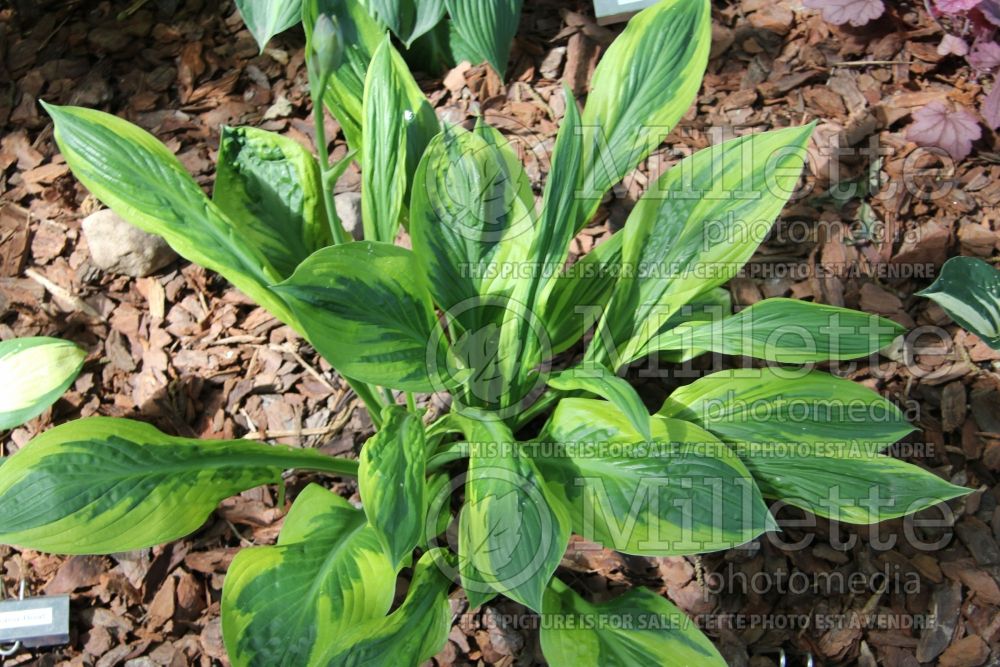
(471, 216)
(647, 630)
(991, 107)
(680, 242)
(266, 18)
(391, 480)
(273, 182)
(512, 530)
(102, 485)
(854, 12)
(787, 331)
(969, 291)
(644, 84)
(140, 180)
(769, 405)
(937, 126)
(955, 6)
(617, 391)
(484, 31)
(408, 19)
(684, 492)
(368, 311)
(36, 371)
(409, 636)
(286, 605)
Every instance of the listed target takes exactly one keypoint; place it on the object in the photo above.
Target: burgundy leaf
(855, 12)
(956, 6)
(985, 55)
(991, 107)
(935, 125)
(952, 45)
(991, 11)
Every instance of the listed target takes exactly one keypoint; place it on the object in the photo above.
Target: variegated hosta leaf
(274, 182)
(362, 35)
(484, 31)
(137, 177)
(512, 531)
(266, 18)
(408, 19)
(787, 331)
(398, 124)
(617, 391)
(409, 636)
(775, 406)
(683, 492)
(969, 291)
(695, 228)
(813, 441)
(391, 479)
(637, 628)
(287, 605)
(35, 372)
(367, 309)
(471, 217)
(102, 485)
(643, 85)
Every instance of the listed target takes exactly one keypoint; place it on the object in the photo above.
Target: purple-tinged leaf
(991, 107)
(985, 55)
(955, 6)
(991, 11)
(855, 12)
(935, 125)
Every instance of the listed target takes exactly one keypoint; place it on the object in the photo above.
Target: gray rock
(348, 206)
(118, 247)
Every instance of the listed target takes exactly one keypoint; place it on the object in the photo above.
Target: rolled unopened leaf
(35, 372)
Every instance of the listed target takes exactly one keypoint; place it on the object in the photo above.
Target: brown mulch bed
(187, 352)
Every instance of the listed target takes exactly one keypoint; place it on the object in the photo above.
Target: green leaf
(368, 311)
(786, 331)
(471, 215)
(274, 182)
(362, 35)
(695, 229)
(266, 18)
(36, 372)
(683, 492)
(140, 180)
(599, 380)
(102, 485)
(287, 605)
(412, 634)
(398, 126)
(484, 31)
(768, 405)
(637, 628)
(391, 482)
(643, 85)
(578, 297)
(512, 531)
(969, 291)
(408, 19)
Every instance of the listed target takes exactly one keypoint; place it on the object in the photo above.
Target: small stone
(348, 206)
(118, 247)
(551, 67)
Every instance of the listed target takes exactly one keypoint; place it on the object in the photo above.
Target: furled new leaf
(646, 630)
(287, 605)
(102, 485)
(35, 371)
(137, 177)
(969, 291)
(367, 309)
(274, 182)
(266, 18)
(643, 85)
(682, 492)
(484, 31)
(391, 481)
(617, 391)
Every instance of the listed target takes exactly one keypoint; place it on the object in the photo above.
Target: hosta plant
(486, 496)
(35, 373)
(968, 289)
